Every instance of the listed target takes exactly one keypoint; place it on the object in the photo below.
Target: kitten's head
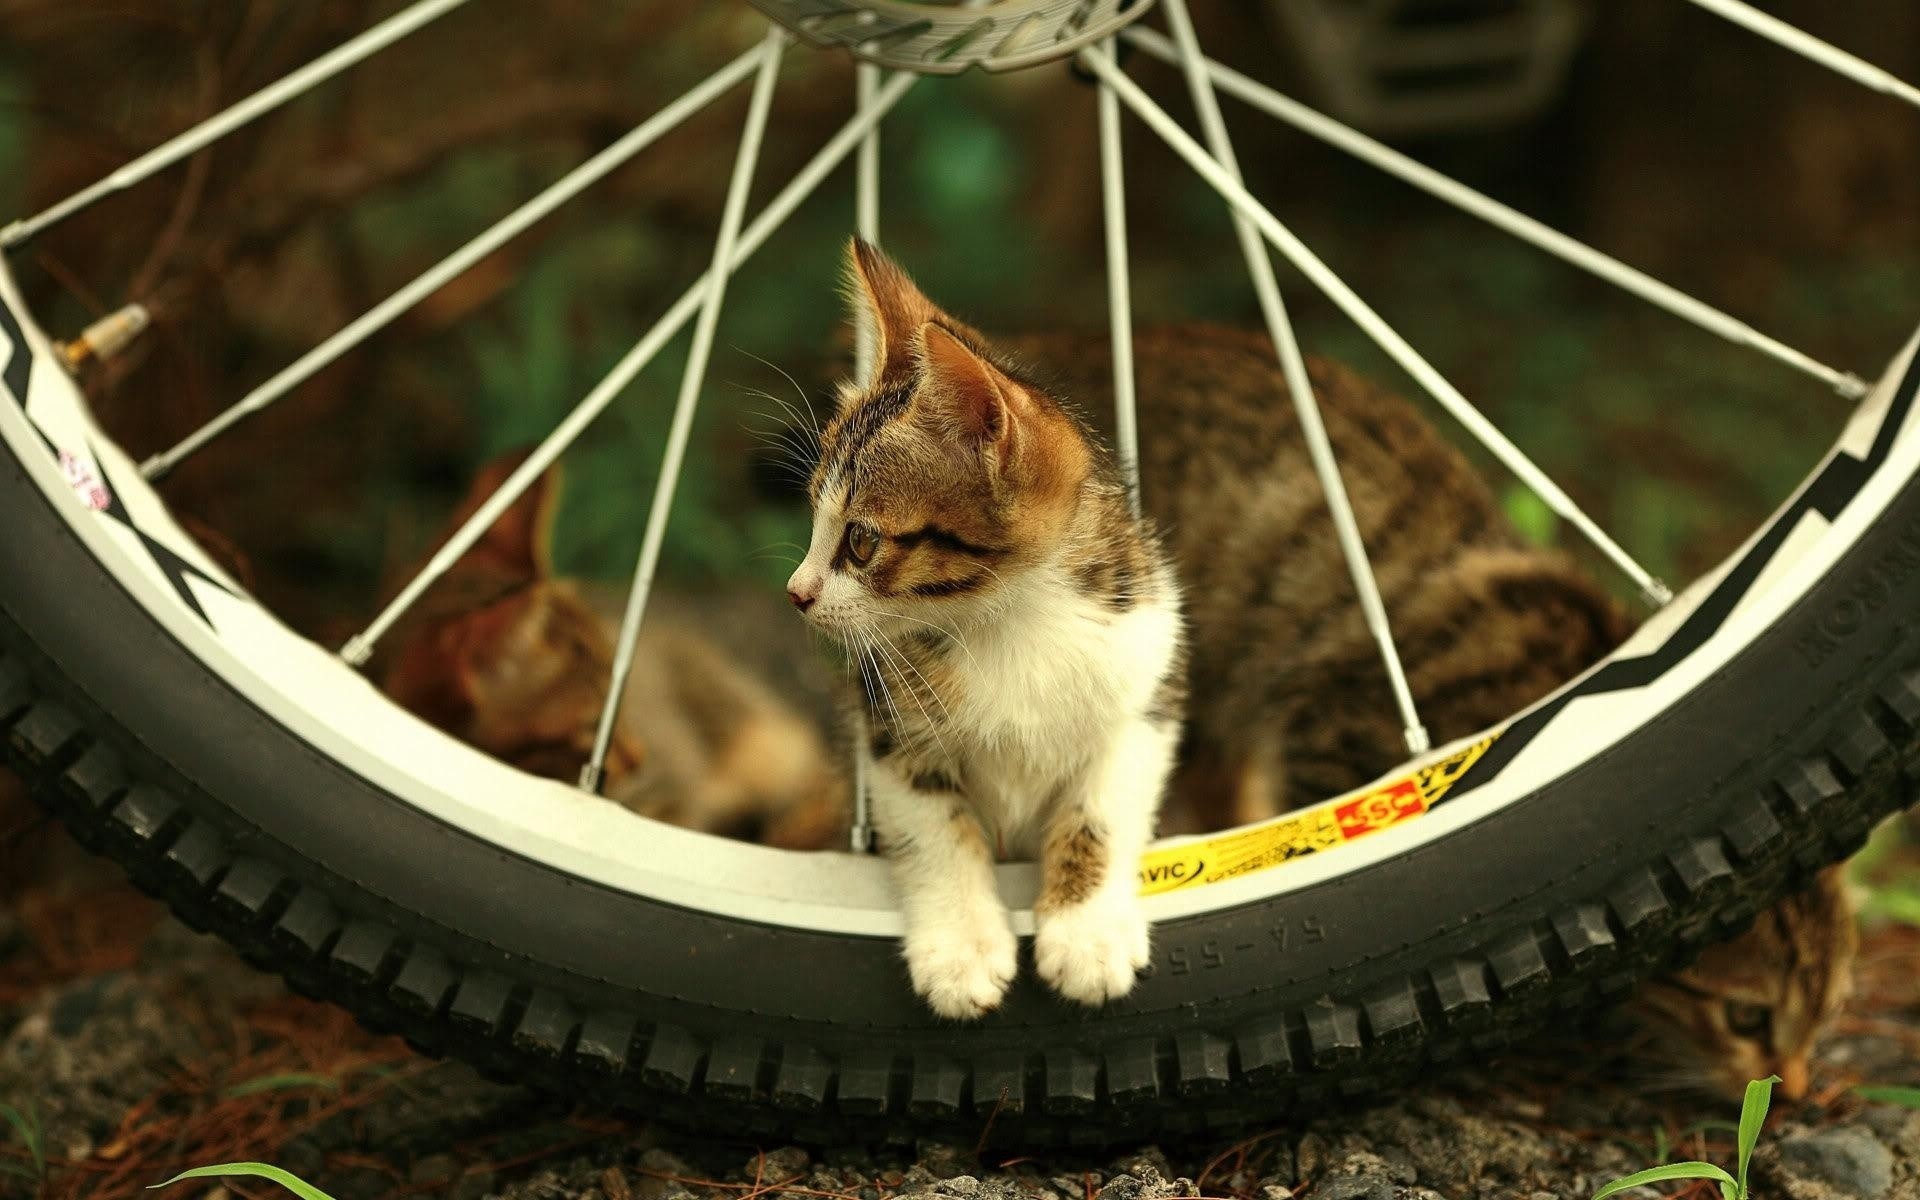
(943, 478)
(1755, 1006)
(502, 655)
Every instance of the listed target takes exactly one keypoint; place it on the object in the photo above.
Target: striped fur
(1290, 703)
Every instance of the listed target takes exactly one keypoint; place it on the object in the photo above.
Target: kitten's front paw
(1091, 952)
(963, 968)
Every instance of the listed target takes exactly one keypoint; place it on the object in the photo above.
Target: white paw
(1091, 952)
(963, 967)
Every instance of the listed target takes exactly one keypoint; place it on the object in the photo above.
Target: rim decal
(19, 371)
(91, 485)
(1309, 831)
(1829, 493)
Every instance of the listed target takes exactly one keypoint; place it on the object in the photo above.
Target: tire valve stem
(104, 338)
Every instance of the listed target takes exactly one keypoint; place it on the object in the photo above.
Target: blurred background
(1679, 143)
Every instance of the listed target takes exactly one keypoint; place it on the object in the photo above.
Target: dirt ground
(139, 1048)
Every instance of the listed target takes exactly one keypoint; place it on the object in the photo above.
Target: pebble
(1147, 1183)
(776, 1166)
(1355, 1187)
(1847, 1159)
(944, 1160)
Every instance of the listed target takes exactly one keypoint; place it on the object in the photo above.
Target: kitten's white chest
(1040, 692)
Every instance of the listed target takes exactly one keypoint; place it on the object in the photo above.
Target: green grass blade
(27, 1125)
(272, 1174)
(1905, 1097)
(1679, 1170)
(1753, 1115)
(281, 1083)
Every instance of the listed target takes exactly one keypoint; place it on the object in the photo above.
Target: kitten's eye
(862, 541)
(1747, 1020)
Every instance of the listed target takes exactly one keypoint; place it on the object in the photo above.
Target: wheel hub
(945, 39)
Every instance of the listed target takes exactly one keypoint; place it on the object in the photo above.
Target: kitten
(516, 662)
(1019, 634)
(1755, 1006)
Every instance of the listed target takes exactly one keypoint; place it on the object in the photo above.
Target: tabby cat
(1018, 630)
(1754, 1006)
(1290, 703)
(514, 661)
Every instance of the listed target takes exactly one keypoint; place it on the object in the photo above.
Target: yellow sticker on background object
(1309, 831)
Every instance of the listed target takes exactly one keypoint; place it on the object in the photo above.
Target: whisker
(901, 656)
(798, 390)
(952, 635)
(788, 419)
(933, 726)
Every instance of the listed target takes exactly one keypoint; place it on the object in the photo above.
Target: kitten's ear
(888, 306)
(965, 395)
(520, 543)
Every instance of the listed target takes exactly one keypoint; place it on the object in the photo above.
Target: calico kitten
(1755, 1006)
(1018, 631)
(514, 661)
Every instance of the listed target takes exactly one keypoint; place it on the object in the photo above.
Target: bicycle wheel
(261, 786)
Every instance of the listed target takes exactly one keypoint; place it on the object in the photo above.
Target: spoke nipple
(1656, 594)
(860, 839)
(155, 468)
(590, 778)
(1851, 386)
(105, 338)
(1417, 740)
(14, 232)
(357, 651)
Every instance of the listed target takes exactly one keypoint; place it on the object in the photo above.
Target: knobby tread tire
(1665, 874)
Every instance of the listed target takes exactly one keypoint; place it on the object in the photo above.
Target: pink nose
(802, 600)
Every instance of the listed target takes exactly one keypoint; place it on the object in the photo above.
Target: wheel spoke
(1570, 250)
(1373, 325)
(866, 203)
(866, 188)
(1280, 327)
(1809, 47)
(1113, 197)
(692, 379)
(510, 227)
(803, 184)
(227, 120)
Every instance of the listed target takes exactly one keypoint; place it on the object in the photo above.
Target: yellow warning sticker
(1309, 831)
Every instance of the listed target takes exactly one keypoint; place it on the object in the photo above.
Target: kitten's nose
(804, 585)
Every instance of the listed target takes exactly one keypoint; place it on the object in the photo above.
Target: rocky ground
(137, 1048)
